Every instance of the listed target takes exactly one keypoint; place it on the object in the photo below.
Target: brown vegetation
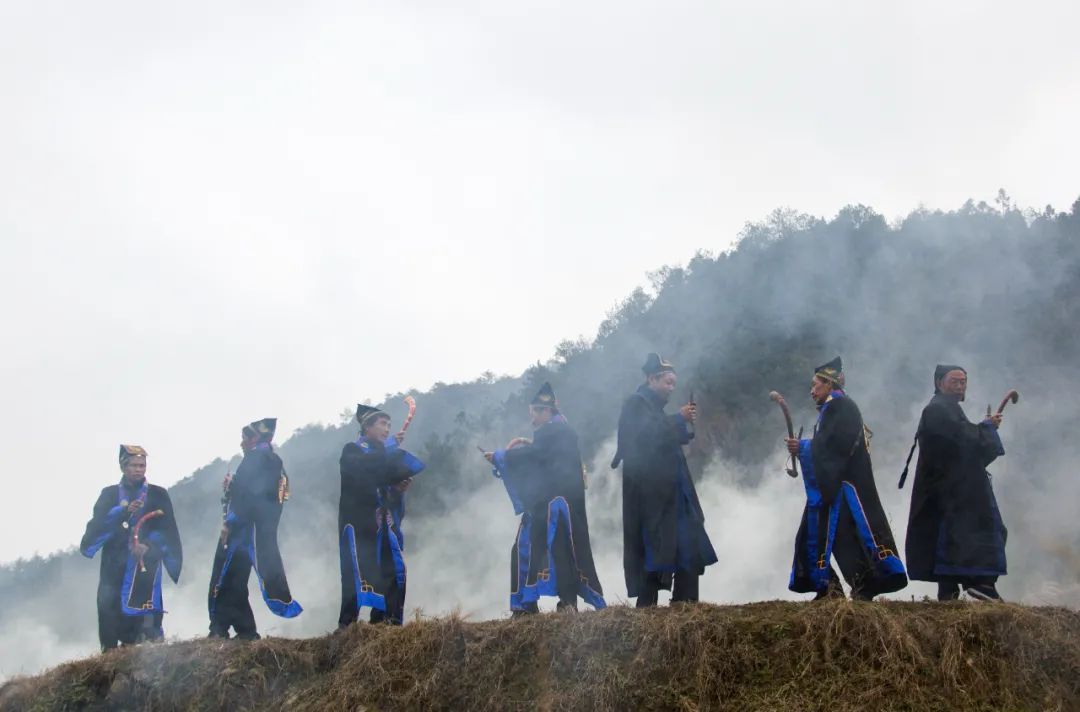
(836, 655)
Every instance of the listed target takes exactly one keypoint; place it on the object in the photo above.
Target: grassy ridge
(835, 655)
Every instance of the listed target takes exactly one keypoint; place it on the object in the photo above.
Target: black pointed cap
(941, 370)
(831, 371)
(654, 365)
(264, 429)
(545, 397)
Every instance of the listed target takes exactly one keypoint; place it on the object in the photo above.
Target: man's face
(379, 430)
(248, 442)
(135, 470)
(820, 389)
(954, 383)
(663, 384)
(539, 415)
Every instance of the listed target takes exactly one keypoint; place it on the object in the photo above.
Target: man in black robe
(664, 539)
(551, 555)
(843, 517)
(375, 472)
(134, 527)
(256, 495)
(955, 536)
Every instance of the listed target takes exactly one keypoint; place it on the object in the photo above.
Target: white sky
(212, 212)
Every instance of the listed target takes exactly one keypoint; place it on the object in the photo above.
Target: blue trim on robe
(684, 518)
(522, 595)
(368, 597)
(497, 468)
(243, 539)
(886, 561)
(547, 579)
(386, 530)
(126, 591)
(561, 509)
(111, 519)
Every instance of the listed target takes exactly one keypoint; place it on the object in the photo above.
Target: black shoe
(223, 634)
(248, 636)
(861, 596)
(566, 606)
(948, 591)
(983, 592)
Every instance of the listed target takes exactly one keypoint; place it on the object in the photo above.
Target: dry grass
(835, 655)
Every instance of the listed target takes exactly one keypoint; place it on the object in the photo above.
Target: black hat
(263, 429)
(546, 397)
(655, 365)
(832, 371)
(366, 414)
(129, 451)
(941, 370)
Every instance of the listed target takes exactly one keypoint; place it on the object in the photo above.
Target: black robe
(552, 555)
(371, 544)
(129, 598)
(663, 525)
(955, 529)
(843, 517)
(256, 496)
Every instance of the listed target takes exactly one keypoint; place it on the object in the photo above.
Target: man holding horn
(843, 517)
(375, 472)
(955, 536)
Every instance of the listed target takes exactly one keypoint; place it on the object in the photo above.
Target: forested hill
(989, 286)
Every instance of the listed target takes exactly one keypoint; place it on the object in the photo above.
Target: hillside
(991, 286)
(835, 656)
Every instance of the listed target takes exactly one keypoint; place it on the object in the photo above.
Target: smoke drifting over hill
(991, 287)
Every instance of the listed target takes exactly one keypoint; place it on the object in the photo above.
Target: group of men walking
(955, 533)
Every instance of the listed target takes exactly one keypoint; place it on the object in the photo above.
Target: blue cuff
(499, 464)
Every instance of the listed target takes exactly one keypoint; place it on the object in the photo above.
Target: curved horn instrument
(792, 471)
(411, 403)
(1012, 396)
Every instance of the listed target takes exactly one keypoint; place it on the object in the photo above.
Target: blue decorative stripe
(130, 607)
(364, 597)
(886, 562)
(560, 508)
(284, 609)
(814, 503)
(524, 550)
(498, 467)
(230, 552)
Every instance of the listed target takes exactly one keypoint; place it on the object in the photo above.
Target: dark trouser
(232, 607)
(948, 588)
(395, 606)
(114, 628)
(850, 554)
(685, 588)
(566, 574)
(394, 595)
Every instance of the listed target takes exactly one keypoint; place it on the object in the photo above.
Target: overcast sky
(212, 212)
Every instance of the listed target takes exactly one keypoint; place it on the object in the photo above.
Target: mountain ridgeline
(990, 286)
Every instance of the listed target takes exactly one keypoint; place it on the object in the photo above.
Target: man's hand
(689, 412)
(139, 550)
(135, 506)
(490, 457)
(792, 445)
(403, 485)
(224, 534)
(995, 420)
(400, 437)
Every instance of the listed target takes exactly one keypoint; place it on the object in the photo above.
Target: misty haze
(211, 215)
